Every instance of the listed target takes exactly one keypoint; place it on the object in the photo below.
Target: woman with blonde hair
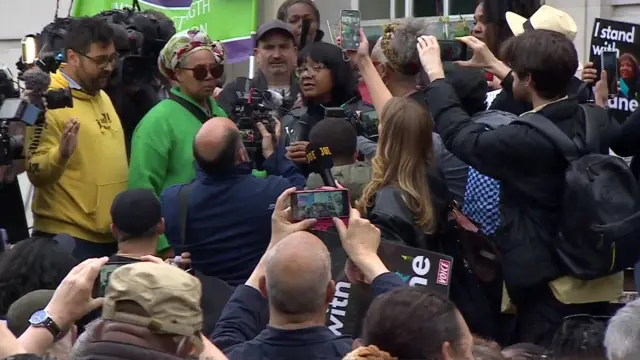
(407, 197)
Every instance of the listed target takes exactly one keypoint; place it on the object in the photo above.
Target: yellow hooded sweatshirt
(74, 195)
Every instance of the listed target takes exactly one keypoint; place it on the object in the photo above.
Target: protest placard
(414, 266)
(619, 37)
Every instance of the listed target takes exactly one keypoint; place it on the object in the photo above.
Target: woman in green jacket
(162, 145)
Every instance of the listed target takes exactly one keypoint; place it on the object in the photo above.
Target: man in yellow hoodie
(77, 157)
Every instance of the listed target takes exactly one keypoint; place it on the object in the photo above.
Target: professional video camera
(10, 147)
(139, 39)
(34, 72)
(256, 106)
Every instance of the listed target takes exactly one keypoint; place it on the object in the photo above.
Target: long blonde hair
(405, 152)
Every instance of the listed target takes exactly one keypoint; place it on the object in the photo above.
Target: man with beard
(276, 55)
(77, 158)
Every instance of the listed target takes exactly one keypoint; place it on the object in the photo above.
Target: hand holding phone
(102, 281)
(350, 29)
(323, 205)
(609, 63)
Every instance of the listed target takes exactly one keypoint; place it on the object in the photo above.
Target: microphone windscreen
(319, 158)
(36, 80)
(276, 99)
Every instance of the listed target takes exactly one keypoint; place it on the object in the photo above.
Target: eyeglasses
(313, 70)
(101, 61)
(200, 72)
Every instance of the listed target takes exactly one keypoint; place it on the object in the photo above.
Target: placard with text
(622, 38)
(416, 267)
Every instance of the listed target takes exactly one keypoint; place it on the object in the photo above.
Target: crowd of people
(187, 246)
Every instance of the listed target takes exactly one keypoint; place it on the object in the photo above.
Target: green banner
(230, 21)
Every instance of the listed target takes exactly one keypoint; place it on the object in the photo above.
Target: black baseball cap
(274, 25)
(135, 211)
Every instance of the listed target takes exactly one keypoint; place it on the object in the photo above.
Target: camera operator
(223, 218)
(12, 215)
(78, 173)
(161, 151)
(276, 54)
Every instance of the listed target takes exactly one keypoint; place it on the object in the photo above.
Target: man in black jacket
(276, 55)
(531, 171)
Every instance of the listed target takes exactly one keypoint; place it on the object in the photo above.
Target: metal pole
(392, 9)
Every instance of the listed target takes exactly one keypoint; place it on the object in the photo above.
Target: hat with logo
(135, 211)
(169, 296)
(545, 18)
(274, 25)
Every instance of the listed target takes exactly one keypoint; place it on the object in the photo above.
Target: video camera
(10, 147)
(140, 36)
(255, 106)
(34, 71)
(365, 123)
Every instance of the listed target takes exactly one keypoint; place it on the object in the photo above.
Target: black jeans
(85, 249)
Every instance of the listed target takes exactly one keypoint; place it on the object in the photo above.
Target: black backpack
(600, 230)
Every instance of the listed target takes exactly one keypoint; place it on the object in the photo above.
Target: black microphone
(304, 33)
(321, 162)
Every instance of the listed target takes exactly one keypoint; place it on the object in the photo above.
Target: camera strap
(183, 207)
(191, 107)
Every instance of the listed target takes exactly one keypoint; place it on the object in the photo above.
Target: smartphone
(320, 204)
(350, 29)
(102, 281)
(609, 63)
(453, 50)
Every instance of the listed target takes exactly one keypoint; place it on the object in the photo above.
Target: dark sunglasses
(200, 72)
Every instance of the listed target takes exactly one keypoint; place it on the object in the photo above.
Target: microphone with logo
(321, 162)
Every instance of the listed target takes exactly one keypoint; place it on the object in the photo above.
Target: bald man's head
(298, 276)
(216, 146)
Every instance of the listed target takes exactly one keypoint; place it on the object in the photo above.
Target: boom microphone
(321, 162)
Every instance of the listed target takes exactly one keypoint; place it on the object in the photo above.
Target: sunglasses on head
(200, 72)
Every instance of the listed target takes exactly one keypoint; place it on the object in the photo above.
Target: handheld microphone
(321, 162)
(304, 33)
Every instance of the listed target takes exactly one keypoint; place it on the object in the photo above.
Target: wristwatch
(42, 319)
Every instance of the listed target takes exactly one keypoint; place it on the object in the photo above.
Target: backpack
(600, 228)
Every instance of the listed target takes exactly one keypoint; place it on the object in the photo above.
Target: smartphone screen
(320, 204)
(453, 50)
(350, 29)
(103, 279)
(609, 63)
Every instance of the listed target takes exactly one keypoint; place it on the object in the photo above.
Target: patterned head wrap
(391, 55)
(183, 44)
